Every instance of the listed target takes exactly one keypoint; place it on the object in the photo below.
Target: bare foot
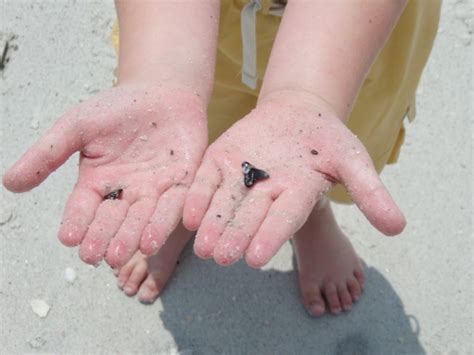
(329, 268)
(148, 275)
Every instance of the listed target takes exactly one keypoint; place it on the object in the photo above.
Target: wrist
(155, 93)
(169, 77)
(301, 98)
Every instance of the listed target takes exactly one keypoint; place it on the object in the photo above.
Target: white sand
(419, 293)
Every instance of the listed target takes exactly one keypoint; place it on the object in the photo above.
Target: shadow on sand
(238, 310)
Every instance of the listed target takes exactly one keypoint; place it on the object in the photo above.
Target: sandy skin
(148, 146)
(282, 138)
(304, 152)
(144, 142)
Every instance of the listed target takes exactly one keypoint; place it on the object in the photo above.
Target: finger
(240, 230)
(370, 195)
(108, 219)
(125, 243)
(78, 215)
(213, 224)
(164, 220)
(284, 218)
(200, 194)
(45, 156)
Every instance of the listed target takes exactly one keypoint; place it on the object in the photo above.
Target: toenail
(336, 310)
(147, 301)
(347, 307)
(145, 291)
(128, 289)
(146, 296)
(316, 310)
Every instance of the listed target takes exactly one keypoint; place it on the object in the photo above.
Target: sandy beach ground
(418, 297)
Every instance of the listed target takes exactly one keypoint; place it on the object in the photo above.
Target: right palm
(144, 143)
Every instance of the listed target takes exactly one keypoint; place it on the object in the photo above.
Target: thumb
(370, 195)
(45, 156)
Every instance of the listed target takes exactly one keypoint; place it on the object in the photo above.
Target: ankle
(322, 208)
(322, 204)
(321, 216)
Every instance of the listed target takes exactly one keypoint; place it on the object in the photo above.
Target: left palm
(305, 153)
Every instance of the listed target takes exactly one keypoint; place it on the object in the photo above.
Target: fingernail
(336, 310)
(347, 307)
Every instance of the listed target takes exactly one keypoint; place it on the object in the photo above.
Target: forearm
(324, 49)
(169, 43)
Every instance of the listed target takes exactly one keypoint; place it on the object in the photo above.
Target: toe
(316, 309)
(137, 275)
(354, 288)
(359, 275)
(313, 300)
(124, 273)
(344, 297)
(149, 290)
(332, 298)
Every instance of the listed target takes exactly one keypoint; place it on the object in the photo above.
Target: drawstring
(248, 24)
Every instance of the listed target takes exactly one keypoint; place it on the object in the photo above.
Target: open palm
(140, 149)
(305, 153)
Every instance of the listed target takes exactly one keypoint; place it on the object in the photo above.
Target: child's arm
(171, 43)
(324, 49)
(321, 55)
(142, 141)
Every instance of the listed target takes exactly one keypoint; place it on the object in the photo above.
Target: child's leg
(328, 266)
(149, 275)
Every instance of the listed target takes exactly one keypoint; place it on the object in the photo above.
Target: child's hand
(305, 153)
(143, 146)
